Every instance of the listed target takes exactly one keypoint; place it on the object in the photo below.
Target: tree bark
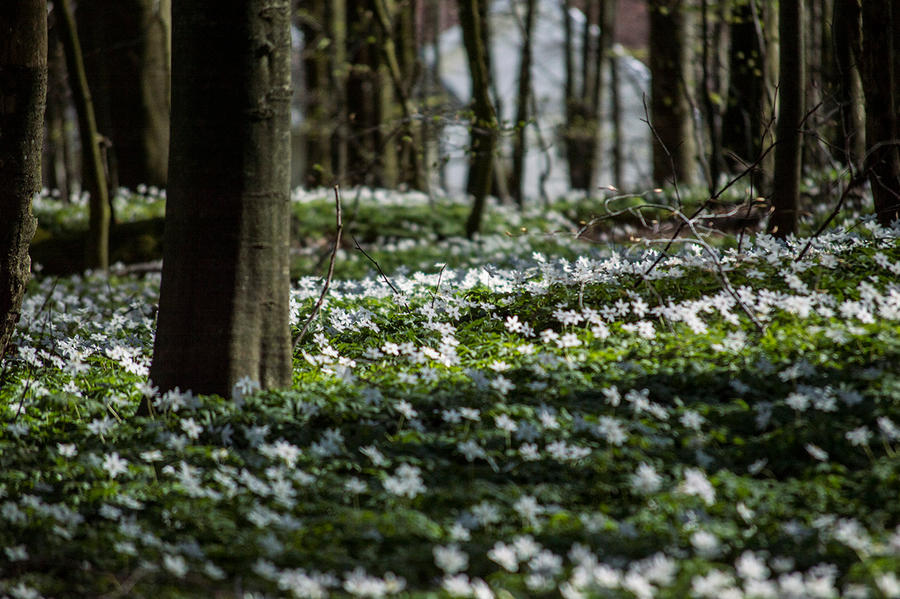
(224, 301)
(484, 118)
(523, 96)
(93, 173)
(880, 69)
(126, 46)
(851, 135)
(23, 89)
(791, 95)
(670, 110)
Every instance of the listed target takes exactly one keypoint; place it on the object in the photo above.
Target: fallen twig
(337, 245)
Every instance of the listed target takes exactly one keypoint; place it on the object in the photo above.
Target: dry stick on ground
(337, 245)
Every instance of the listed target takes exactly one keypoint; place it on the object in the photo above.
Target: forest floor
(521, 415)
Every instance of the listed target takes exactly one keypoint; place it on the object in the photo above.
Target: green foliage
(526, 422)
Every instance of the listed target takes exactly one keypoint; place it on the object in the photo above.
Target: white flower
(646, 479)
(67, 450)
(175, 564)
(450, 558)
(406, 409)
(749, 566)
(502, 385)
(797, 401)
(191, 428)
(816, 452)
(504, 555)
(505, 423)
(859, 436)
(696, 483)
(692, 420)
(528, 508)
(114, 465)
(471, 449)
(529, 452)
(356, 486)
(406, 482)
(242, 388)
(706, 543)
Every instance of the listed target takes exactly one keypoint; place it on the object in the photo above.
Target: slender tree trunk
(126, 53)
(23, 89)
(523, 95)
(749, 110)
(94, 175)
(880, 69)
(54, 159)
(224, 301)
(581, 134)
(484, 121)
(319, 123)
(851, 136)
(670, 110)
(791, 94)
(714, 65)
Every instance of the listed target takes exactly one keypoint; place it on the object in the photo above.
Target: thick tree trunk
(791, 94)
(23, 89)
(670, 110)
(93, 173)
(223, 307)
(126, 54)
(484, 125)
(880, 69)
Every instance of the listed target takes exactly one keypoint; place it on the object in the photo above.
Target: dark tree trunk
(582, 103)
(93, 172)
(57, 168)
(523, 97)
(670, 110)
(714, 86)
(851, 136)
(880, 69)
(484, 121)
(791, 94)
(749, 111)
(23, 89)
(126, 55)
(223, 307)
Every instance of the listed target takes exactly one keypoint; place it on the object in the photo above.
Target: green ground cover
(541, 417)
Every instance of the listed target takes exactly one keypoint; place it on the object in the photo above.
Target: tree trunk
(523, 96)
(851, 137)
(670, 110)
(93, 173)
(223, 306)
(56, 166)
(749, 111)
(484, 121)
(791, 94)
(581, 132)
(714, 87)
(126, 54)
(880, 70)
(23, 89)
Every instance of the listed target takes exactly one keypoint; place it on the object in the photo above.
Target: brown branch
(337, 245)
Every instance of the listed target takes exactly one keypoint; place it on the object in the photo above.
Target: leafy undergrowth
(532, 428)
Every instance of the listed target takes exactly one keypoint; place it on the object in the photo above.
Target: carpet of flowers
(518, 424)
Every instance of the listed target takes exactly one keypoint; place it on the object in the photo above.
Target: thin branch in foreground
(378, 266)
(337, 245)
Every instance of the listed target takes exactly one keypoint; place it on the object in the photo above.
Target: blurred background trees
(386, 96)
